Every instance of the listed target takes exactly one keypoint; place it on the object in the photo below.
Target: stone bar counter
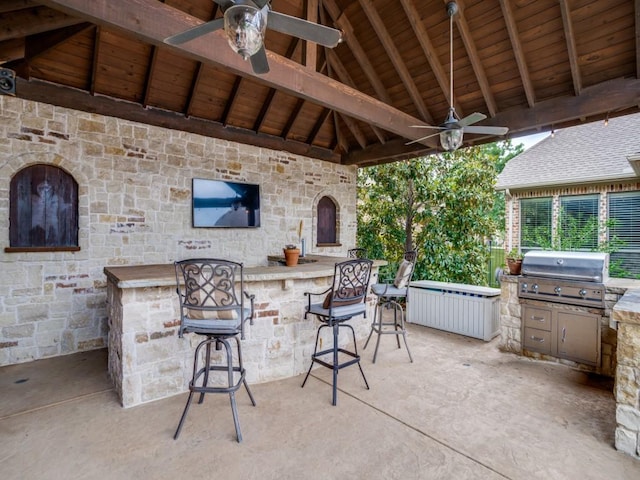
(147, 360)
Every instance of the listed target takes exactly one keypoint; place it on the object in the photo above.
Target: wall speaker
(7, 82)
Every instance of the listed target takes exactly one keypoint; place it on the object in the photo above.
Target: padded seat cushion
(388, 290)
(403, 274)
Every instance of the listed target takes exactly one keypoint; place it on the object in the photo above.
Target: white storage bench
(454, 307)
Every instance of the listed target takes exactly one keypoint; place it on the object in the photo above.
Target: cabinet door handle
(537, 339)
(537, 319)
(564, 333)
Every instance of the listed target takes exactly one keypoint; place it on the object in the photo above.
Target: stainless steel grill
(574, 278)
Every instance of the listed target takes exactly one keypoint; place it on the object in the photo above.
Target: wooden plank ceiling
(530, 65)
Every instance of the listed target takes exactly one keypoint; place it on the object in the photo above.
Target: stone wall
(135, 208)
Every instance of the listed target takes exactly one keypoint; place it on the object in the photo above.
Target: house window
(535, 223)
(327, 222)
(624, 214)
(43, 210)
(578, 229)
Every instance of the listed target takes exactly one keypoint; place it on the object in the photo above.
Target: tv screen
(219, 203)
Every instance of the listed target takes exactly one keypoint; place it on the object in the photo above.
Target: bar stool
(389, 297)
(211, 304)
(356, 253)
(344, 300)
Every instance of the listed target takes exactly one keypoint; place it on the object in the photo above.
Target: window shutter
(535, 223)
(624, 210)
(579, 222)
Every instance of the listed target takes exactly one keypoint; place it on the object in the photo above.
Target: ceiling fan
(245, 23)
(452, 130)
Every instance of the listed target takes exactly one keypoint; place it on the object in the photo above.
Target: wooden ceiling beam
(518, 53)
(571, 46)
(340, 140)
(310, 51)
(342, 22)
(472, 53)
(318, 125)
(396, 58)
(152, 21)
(95, 60)
(12, 50)
(292, 118)
(414, 18)
(31, 21)
(43, 42)
(45, 92)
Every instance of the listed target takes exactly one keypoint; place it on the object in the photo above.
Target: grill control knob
(524, 287)
(558, 290)
(583, 292)
(535, 287)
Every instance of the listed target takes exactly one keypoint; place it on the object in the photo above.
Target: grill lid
(577, 266)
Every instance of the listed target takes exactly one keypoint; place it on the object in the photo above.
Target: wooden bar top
(163, 275)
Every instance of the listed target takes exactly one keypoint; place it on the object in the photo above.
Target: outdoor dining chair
(212, 304)
(345, 299)
(391, 296)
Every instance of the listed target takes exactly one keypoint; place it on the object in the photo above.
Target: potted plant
(291, 255)
(514, 261)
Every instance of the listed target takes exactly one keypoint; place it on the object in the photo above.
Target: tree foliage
(441, 205)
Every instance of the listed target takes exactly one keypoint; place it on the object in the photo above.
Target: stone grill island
(147, 360)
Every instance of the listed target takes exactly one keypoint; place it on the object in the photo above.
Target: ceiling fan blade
(195, 32)
(259, 61)
(473, 118)
(421, 139)
(314, 32)
(487, 130)
(436, 127)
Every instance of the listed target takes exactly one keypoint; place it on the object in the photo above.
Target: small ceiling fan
(245, 23)
(452, 130)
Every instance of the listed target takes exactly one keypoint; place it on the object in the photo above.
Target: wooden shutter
(326, 221)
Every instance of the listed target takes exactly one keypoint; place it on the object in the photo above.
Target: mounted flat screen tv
(224, 204)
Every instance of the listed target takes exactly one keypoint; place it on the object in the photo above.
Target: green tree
(440, 204)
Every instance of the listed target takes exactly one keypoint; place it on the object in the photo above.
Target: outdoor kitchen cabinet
(562, 332)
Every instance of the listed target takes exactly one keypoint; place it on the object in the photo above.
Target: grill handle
(564, 333)
(564, 276)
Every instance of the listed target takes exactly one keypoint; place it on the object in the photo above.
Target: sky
(530, 140)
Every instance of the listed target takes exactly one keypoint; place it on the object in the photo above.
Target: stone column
(627, 388)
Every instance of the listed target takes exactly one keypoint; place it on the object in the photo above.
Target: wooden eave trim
(152, 22)
(512, 29)
(472, 52)
(39, 91)
(571, 46)
(637, 10)
(396, 58)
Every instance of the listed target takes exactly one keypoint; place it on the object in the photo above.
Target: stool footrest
(355, 359)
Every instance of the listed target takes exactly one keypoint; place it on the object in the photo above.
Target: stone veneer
(620, 350)
(627, 389)
(135, 208)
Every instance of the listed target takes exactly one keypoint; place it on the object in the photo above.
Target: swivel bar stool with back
(212, 304)
(345, 299)
(389, 297)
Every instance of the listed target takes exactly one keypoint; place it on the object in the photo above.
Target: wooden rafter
(512, 29)
(266, 105)
(152, 22)
(318, 125)
(342, 22)
(149, 76)
(292, 118)
(96, 60)
(310, 52)
(637, 30)
(197, 77)
(233, 94)
(571, 46)
(396, 58)
(413, 16)
(472, 52)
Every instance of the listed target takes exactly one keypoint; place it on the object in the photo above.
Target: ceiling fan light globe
(451, 139)
(244, 26)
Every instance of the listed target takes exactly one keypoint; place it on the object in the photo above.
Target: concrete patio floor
(462, 410)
